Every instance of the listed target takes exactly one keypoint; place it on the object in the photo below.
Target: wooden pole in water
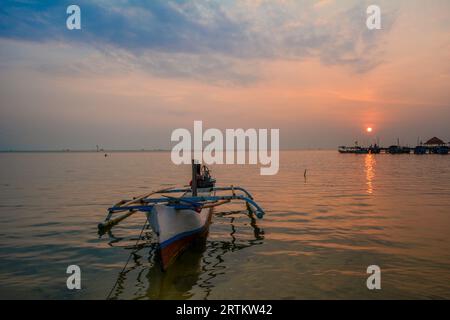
(194, 178)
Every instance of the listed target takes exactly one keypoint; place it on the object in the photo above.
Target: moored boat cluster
(432, 146)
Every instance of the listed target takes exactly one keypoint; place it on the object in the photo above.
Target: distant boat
(375, 149)
(420, 150)
(355, 150)
(395, 149)
(440, 150)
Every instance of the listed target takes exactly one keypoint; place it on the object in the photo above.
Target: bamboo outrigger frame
(145, 203)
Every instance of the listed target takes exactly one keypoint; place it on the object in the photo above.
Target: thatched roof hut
(435, 142)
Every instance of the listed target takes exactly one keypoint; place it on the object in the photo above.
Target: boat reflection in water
(196, 267)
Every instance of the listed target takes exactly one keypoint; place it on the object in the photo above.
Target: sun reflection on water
(370, 163)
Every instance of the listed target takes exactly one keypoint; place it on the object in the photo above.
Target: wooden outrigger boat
(179, 216)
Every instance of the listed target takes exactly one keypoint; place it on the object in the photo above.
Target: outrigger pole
(187, 203)
(146, 204)
(109, 223)
(231, 188)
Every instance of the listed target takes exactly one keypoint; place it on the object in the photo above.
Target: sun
(369, 129)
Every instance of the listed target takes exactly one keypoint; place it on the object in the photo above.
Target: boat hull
(170, 251)
(177, 230)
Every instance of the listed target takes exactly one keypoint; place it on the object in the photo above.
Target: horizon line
(129, 150)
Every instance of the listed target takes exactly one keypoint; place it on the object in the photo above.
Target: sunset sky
(140, 69)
